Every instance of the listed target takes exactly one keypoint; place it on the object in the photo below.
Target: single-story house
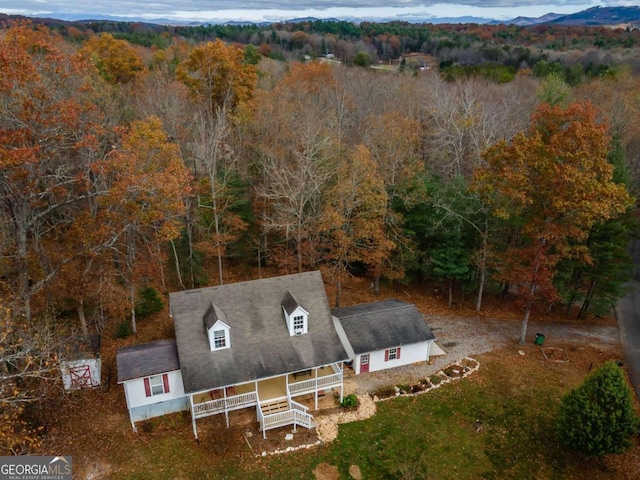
(384, 334)
(262, 344)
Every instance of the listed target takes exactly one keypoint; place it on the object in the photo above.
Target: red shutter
(165, 381)
(386, 355)
(398, 353)
(147, 387)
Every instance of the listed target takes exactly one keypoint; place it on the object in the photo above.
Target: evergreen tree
(451, 261)
(598, 417)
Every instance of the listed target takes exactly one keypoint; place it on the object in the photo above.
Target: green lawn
(433, 436)
(428, 436)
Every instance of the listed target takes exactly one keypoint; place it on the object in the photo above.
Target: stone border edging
(289, 449)
(444, 379)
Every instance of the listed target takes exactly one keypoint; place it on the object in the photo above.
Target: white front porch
(272, 397)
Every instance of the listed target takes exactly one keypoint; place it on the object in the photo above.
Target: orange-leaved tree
(394, 142)
(145, 184)
(353, 218)
(217, 74)
(116, 60)
(48, 129)
(221, 84)
(552, 183)
(295, 137)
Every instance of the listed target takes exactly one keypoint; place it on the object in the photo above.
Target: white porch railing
(298, 406)
(303, 419)
(296, 415)
(242, 401)
(229, 404)
(307, 386)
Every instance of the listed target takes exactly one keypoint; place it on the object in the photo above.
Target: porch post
(126, 397)
(316, 385)
(226, 407)
(341, 381)
(193, 418)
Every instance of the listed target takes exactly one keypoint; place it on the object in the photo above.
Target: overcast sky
(274, 10)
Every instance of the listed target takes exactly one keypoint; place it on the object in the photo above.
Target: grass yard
(434, 436)
(429, 436)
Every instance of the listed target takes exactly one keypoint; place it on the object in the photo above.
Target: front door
(364, 363)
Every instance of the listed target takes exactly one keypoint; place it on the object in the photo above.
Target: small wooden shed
(80, 363)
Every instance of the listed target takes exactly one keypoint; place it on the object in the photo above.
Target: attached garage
(385, 334)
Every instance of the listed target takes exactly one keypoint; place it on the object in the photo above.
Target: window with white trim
(219, 339)
(392, 353)
(298, 323)
(157, 385)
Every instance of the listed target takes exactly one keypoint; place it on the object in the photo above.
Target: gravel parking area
(465, 337)
(459, 337)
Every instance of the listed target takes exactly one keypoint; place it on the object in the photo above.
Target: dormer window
(218, 332)
(297, 318)
(219, 339)
(298, 323)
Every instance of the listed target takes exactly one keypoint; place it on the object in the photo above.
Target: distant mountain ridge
(595, 16)
(602, 16)
(526, 21)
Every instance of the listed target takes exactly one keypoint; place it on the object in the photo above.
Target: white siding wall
(135, 393)
(416, 352)
(342, 335)
(219, 326)
(297, 312)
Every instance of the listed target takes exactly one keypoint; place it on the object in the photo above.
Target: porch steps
(276, 406)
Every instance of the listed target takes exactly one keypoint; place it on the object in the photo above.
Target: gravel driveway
(465, 337)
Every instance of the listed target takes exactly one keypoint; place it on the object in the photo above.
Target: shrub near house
(598, 417)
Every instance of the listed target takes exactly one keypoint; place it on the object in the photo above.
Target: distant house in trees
(261, 344)
(384, 334)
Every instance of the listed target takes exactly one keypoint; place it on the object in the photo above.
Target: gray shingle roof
(290, 302)
(147, 359)
(381, 325)
(260, 342)
(212, 315)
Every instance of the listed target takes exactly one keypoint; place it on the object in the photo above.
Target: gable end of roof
(290, 302)
(212, 315)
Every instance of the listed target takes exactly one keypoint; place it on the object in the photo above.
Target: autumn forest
(129, 170)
